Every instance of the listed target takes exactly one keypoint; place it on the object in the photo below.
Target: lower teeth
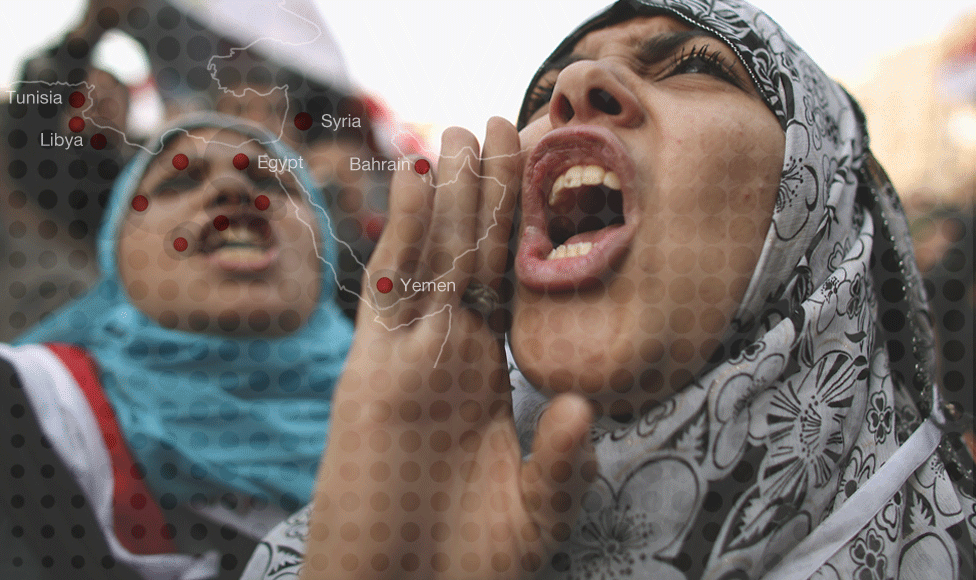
(570, 251)
(241, 254)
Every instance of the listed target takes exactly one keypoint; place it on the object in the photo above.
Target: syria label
(336, 123)
(52, 139)
(46, 98)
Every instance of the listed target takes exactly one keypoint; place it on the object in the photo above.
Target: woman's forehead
(210, 143)
(200, 140)
(649, 39)
(629, 33)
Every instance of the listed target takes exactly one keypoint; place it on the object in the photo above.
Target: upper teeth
(579, 175)
(240, 234)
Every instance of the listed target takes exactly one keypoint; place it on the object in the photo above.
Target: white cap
(291, 33)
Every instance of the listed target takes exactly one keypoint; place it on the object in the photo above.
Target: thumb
(560, 469)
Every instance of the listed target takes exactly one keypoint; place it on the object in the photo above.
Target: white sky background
(442, 62)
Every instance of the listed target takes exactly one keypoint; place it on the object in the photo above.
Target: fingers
(400, 246)
(501, 170)
(561, 468)
(454, 223)
(454, 228)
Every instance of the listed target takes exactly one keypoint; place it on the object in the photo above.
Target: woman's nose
(230, 190)
(587, 91)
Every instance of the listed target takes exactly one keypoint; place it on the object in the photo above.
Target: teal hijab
(206, 415)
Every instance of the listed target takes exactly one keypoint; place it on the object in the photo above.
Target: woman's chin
(611, 392)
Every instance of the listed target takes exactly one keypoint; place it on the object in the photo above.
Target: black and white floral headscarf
(751, 470)
(825, 370)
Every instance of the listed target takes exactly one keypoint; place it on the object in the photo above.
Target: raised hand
(101, 16)
(423, 476)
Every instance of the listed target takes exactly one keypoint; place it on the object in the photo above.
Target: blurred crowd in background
(920, 104)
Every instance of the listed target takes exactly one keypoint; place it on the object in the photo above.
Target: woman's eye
(176, 185)
(541, 95)
(700, 61)
(697, 64)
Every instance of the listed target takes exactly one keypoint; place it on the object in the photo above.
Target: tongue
(592, 236)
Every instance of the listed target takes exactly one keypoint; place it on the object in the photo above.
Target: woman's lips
(559, 150)
(244, 243)
(243, 260)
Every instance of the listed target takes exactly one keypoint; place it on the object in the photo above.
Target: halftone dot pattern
(169, 18)
(98, 141)
(199, 49)
(47, 169)
(349, 229)
(682, 321)
(168, 48)
(107, 18)
(241, 161)
(181, 161)
(949, 286)
(17, 139)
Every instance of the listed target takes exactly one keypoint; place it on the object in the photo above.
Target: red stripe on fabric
(138, 520)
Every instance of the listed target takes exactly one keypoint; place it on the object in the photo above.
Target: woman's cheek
(289, 290)
(290, 259)
(198, 290)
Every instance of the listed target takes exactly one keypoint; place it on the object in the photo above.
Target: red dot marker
(181, 161)
(140, 203)
(180, 244)
(303, 121)
(384, 285)
(262, 202)
(98, 141)
(422, 166)
(76, 124)
(241, 161)
(221, 222)
(76, 99)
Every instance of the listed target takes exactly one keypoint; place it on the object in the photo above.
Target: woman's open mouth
(243, 243)
(578, 207)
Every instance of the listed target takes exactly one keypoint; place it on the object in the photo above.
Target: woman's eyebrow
(165, 173)
(659, 47)
(648, 50)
